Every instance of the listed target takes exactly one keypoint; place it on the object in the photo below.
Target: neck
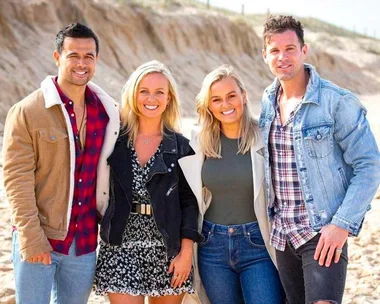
(296, 87)
(231, 130)
(73, 92)
(149, 126)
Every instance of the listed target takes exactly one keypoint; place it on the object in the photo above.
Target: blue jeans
(235, 266)
(67, 280)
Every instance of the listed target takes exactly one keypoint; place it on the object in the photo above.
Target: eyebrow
(147, 88)
(215, 96)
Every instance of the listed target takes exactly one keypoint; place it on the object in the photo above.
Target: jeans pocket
(255, 239)
(13, 251)
(206, 235)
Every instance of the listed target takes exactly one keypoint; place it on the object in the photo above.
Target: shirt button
(72, 114)
(70, 102)
(169, 170)
(80, 180)
(319, 136)
(52, 137)
(80, 203)
(76, 225)
(172, 165)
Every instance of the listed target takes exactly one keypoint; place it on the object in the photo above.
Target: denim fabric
(67, 280)
(235, 266)
(305, 281)
(336, 153)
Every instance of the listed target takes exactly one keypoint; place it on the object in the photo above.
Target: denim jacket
(338, 161)
(174, 205)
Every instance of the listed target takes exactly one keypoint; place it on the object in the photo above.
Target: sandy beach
(363, 279)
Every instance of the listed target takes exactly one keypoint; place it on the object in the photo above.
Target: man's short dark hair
(277, 24)
(75, 30)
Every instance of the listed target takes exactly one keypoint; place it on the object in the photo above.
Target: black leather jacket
(174, 205)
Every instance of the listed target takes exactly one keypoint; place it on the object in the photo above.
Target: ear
(305, 50)
(264, 54)
(56, 57)
(244, 97)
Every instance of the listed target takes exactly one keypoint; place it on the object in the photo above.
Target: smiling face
(226, 103)
(152, 95)
(285, 55)
(76, 61)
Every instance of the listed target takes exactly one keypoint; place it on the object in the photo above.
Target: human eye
(160, 92)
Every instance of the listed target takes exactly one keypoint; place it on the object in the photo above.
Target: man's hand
(44, 258)
(330, 244)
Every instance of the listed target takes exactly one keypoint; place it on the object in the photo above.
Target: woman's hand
(181, 264)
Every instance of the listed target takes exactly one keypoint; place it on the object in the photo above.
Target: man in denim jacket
(323, 162)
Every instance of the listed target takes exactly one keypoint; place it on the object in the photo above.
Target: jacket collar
(312, 94)
(52, 97)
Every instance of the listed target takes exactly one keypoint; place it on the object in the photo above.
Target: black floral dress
(139, 266)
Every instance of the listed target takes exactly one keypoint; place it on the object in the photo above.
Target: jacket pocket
(52, 135)
(318, 140)
(171, 189)
(343, 178)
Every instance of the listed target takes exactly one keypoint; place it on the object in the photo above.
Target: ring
(339, 250)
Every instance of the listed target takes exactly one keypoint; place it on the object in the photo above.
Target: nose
(225, 103)
(151, 97)
(81, 62)
(281, 55)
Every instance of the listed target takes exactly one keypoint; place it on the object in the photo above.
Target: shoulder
(338, 96)
(183, 145)
(33, 103)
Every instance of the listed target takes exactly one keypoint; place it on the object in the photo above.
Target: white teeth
(150, 107)
(80, 73)
(228, 112)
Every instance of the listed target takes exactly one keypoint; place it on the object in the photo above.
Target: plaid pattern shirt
(291, 221)
(83, 224)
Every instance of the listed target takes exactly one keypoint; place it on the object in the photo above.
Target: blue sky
(363, 16)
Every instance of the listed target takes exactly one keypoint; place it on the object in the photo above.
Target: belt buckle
(143, 209)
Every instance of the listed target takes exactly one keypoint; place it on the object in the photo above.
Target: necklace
(148, 139)
(80, 130)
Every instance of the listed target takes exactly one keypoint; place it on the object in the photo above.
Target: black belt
(144, 209)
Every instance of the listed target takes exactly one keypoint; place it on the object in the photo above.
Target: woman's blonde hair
(209, 135)
(129, 110)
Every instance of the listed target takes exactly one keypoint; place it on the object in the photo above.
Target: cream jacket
(39, 165)
(192, 168)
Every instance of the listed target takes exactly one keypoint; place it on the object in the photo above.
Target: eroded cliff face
(190, 42)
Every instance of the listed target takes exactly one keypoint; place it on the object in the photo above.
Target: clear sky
(363, 16)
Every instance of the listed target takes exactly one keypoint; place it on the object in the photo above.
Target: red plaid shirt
(291, 221)
(83, 221)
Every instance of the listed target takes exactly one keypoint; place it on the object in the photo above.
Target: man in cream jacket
(56, 143)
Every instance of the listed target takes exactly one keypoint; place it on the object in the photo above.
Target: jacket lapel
(192, 168)
(123, 174)
(257, 166)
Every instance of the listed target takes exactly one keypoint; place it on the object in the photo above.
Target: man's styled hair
(75, 30)
(277, 24)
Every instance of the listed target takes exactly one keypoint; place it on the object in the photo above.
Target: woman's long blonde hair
(129, 110)
(209, 135)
